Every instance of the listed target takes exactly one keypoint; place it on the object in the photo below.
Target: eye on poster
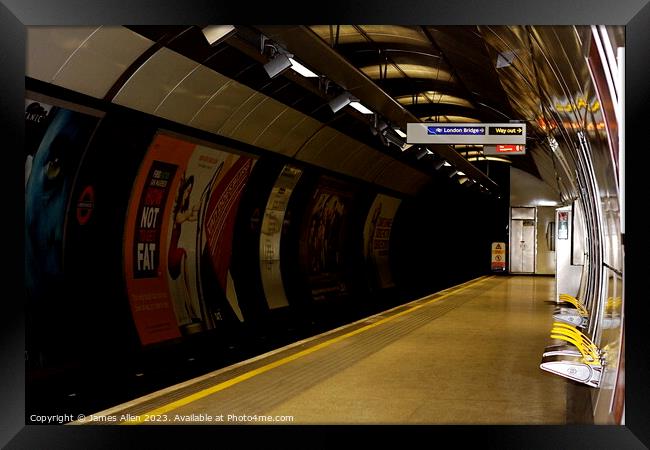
(55, 139)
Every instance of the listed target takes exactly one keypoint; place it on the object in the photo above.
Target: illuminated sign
(462, 133)
(506, 131)
(472, 131)
(503, 149)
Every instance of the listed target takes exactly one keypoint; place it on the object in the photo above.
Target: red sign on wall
(511, 149)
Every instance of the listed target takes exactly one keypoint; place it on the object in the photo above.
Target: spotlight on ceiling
(421, 153)
(341, 101)
(452, 173)
(215, 33)
(278, 64)
(393, 138)
(439, 164)
(400, 132)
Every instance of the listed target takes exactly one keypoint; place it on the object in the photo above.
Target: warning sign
(499, 256)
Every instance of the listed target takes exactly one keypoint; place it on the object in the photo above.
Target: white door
(522, 246)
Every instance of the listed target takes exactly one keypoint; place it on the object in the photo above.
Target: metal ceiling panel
(224, 102)
(150, 85)
(245, 107)
(298, 136)
(287, 132)
(191, 95)
(49, 48)
(258, 120)
(311, 148)
(100, 60)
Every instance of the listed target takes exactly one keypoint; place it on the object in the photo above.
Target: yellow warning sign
(499, 256)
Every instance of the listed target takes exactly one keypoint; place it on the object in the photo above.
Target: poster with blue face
(50, 170)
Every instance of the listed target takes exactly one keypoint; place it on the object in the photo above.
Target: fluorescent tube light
(359, 107)
(302, 70)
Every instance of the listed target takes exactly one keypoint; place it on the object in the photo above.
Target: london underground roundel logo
(85, 205)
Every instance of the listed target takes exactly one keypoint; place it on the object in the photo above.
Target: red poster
(147, 225)
(220, 216)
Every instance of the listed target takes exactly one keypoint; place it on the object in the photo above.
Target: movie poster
(38, 116)
(323, 240)
(55, 139)
(376, 237)
(182, 210)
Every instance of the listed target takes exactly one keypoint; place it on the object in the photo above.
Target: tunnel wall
(346, 249)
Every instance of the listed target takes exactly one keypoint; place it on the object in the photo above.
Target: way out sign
(466, 133)
(498, 256)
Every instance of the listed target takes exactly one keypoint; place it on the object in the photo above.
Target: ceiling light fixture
(400, 132)
(361, 108)
(422, 153)
(278, 64)
(302, 70)
(341, 101)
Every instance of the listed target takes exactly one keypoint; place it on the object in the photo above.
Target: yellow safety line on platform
(243, 377)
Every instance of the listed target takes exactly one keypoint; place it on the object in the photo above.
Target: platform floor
(466, 355)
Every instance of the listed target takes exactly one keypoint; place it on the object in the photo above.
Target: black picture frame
(15, 15)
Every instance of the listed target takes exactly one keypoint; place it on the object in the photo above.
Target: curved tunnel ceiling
(432, 73)
(536, 74)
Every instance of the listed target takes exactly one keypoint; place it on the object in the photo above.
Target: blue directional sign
(445, 130)
(466, 133)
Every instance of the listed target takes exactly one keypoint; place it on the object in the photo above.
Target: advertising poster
(183, 195)
(271, 234)
(323, 240)
(37, 119)
(376, 236)
(56, 139)
(218, 227)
